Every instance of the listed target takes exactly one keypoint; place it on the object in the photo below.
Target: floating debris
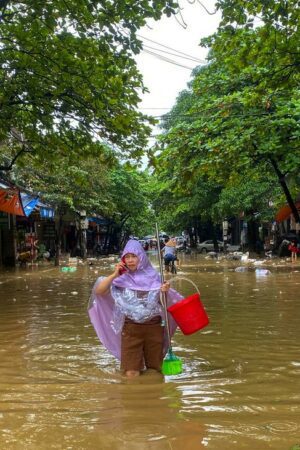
(262, 272)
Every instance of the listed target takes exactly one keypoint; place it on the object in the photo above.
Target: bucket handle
(186, 279)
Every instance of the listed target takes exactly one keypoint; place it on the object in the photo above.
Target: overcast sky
(175, 34)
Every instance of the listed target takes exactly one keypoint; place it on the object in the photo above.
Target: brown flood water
(240, 388)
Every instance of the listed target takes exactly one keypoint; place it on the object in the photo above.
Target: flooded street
(240, 387)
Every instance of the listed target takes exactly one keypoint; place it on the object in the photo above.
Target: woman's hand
(165, 286)
(104, 285)
(120, 268)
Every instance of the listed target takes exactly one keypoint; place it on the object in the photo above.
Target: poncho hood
(145, 278)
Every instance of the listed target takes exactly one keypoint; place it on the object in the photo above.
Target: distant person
(169, 253)
(293, 248)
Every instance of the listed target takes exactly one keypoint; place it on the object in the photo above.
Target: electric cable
(164, 58)
(201, 61)
(174, 54)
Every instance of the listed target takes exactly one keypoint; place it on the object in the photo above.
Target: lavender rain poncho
(134, 294)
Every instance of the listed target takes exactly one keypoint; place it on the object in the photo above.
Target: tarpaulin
(10, 202)
(29, 203)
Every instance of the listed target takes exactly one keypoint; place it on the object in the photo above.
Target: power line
(156, 108)
(201, 61)
(178, 53)
(164, 58)
(172, 54)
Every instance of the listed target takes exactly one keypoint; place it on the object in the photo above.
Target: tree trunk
(83, 244)
(105, 244)
(252, 235)
(281, 178)
(58, 239)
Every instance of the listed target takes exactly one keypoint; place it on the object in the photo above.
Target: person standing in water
(169, 253)
(127, 315)
(294, 250)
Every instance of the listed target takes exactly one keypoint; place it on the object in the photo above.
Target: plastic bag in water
(262, 272)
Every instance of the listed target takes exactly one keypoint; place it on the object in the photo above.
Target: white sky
(163, 79)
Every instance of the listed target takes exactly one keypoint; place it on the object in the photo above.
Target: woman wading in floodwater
(127, 315)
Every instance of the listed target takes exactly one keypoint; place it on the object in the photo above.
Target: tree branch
(10, 166)
(285, 188)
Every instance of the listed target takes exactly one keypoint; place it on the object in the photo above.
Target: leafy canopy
(235, 132)
(68, 75)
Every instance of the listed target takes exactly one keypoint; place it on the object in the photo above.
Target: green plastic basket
(171, 364)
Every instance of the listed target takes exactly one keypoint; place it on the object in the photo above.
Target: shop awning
(29, 203)
(10, 201)
(98, 220)
(285, 212)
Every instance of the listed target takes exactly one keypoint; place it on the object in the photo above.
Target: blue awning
(98, 220)
(29, 203)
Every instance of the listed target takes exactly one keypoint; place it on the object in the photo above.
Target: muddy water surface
(240, 388)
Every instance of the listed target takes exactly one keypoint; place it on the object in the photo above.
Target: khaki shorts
(142, 345)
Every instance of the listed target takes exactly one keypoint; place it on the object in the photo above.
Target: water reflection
(239, 388)
(146, 415)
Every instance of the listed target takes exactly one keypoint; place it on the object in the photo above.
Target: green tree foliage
(102, 186)
(251, 193)
(65, 184)
(68, 75)
(242, 13)
(241, 128)
(267, 60)
(132, 199)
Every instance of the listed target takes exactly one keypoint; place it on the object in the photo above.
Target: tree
(242, 13)
(68, 76)
(183, 198)
(132, 198)
(103, 186)
(239, 120)
(66, 186)
(257, 41)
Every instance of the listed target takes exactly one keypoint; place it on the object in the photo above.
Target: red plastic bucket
(189, 314)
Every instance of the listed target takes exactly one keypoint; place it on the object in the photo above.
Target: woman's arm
(104, 285)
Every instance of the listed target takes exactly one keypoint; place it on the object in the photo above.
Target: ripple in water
(282, 427)
(248, 430)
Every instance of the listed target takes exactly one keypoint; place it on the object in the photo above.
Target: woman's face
(131, 261)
